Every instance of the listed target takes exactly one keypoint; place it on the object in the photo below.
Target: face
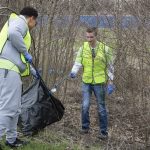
(32, 22)
(90, 37)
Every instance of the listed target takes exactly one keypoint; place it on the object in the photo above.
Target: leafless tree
(58, 36)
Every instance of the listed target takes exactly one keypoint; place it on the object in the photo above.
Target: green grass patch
(45, 140)
(40, 145)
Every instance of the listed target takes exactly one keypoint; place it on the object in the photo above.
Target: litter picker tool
(54, 88)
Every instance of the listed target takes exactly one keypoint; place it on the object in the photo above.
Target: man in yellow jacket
(15, 41)
(96, 59)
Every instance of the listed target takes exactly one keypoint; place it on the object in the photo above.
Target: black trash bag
(39, 108)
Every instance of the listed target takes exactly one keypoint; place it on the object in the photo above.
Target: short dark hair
(29, 12)
(92, 30)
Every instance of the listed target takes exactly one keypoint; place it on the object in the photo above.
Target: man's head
(91, 34)
(31, 14)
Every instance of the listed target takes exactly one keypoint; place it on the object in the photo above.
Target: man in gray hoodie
(14, 62)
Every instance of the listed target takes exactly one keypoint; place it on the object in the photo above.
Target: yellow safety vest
(6, 64)
(94, 69)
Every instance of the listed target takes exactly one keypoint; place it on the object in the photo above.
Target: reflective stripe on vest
(94, 68)
(27, 41)
(6, 64)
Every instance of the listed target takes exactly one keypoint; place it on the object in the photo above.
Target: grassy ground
(39, 144)
(34, 145)
(54, 140)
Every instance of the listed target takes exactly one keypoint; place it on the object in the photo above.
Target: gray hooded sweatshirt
(15, 44)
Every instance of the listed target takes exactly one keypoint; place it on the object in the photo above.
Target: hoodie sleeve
(110, 60)
(16, 31)
(77, 65)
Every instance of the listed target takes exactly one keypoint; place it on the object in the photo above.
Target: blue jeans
(99, 92)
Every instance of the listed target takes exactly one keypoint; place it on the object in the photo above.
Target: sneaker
(17, 143)
(84, 131)
(103, 136)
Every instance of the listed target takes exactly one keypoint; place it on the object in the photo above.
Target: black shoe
(103, 136)
(84, 131)
(17, 143)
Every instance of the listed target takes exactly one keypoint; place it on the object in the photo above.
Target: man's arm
(109, 61)
(78, 62)
(16, 32)
(110, 69)
(110, 73)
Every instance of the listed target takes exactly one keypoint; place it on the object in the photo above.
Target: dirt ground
(122, 128)
(128, 122)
